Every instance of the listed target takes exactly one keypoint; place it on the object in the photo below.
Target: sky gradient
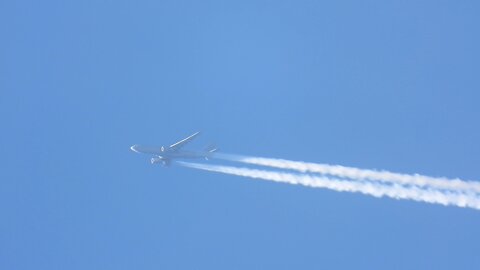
(372, 85)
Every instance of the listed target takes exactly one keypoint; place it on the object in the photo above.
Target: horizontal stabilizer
(211, 148)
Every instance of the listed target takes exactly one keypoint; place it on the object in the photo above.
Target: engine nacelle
(154, 160)
(162, 160)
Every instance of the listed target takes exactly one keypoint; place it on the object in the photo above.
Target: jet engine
(154, 160)
(162, 160)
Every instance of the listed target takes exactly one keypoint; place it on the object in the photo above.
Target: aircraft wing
(181, 143)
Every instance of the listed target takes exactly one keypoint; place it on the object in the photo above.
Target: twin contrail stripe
(455, 185)
(376, 189)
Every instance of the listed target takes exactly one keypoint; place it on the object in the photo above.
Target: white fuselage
(165, 154)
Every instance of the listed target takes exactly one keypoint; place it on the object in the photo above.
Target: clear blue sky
(373, 85)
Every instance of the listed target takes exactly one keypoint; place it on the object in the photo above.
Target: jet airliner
(165, 155)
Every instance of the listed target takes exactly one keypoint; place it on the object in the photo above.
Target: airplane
(165, 155)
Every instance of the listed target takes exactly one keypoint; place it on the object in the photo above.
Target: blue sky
(372, 85)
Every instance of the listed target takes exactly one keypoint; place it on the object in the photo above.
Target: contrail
(456, 185)
(375, 189)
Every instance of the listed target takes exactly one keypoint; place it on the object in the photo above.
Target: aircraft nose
(134, 148)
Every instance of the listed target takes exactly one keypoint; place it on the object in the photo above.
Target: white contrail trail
(375, 189)
(456, 185)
